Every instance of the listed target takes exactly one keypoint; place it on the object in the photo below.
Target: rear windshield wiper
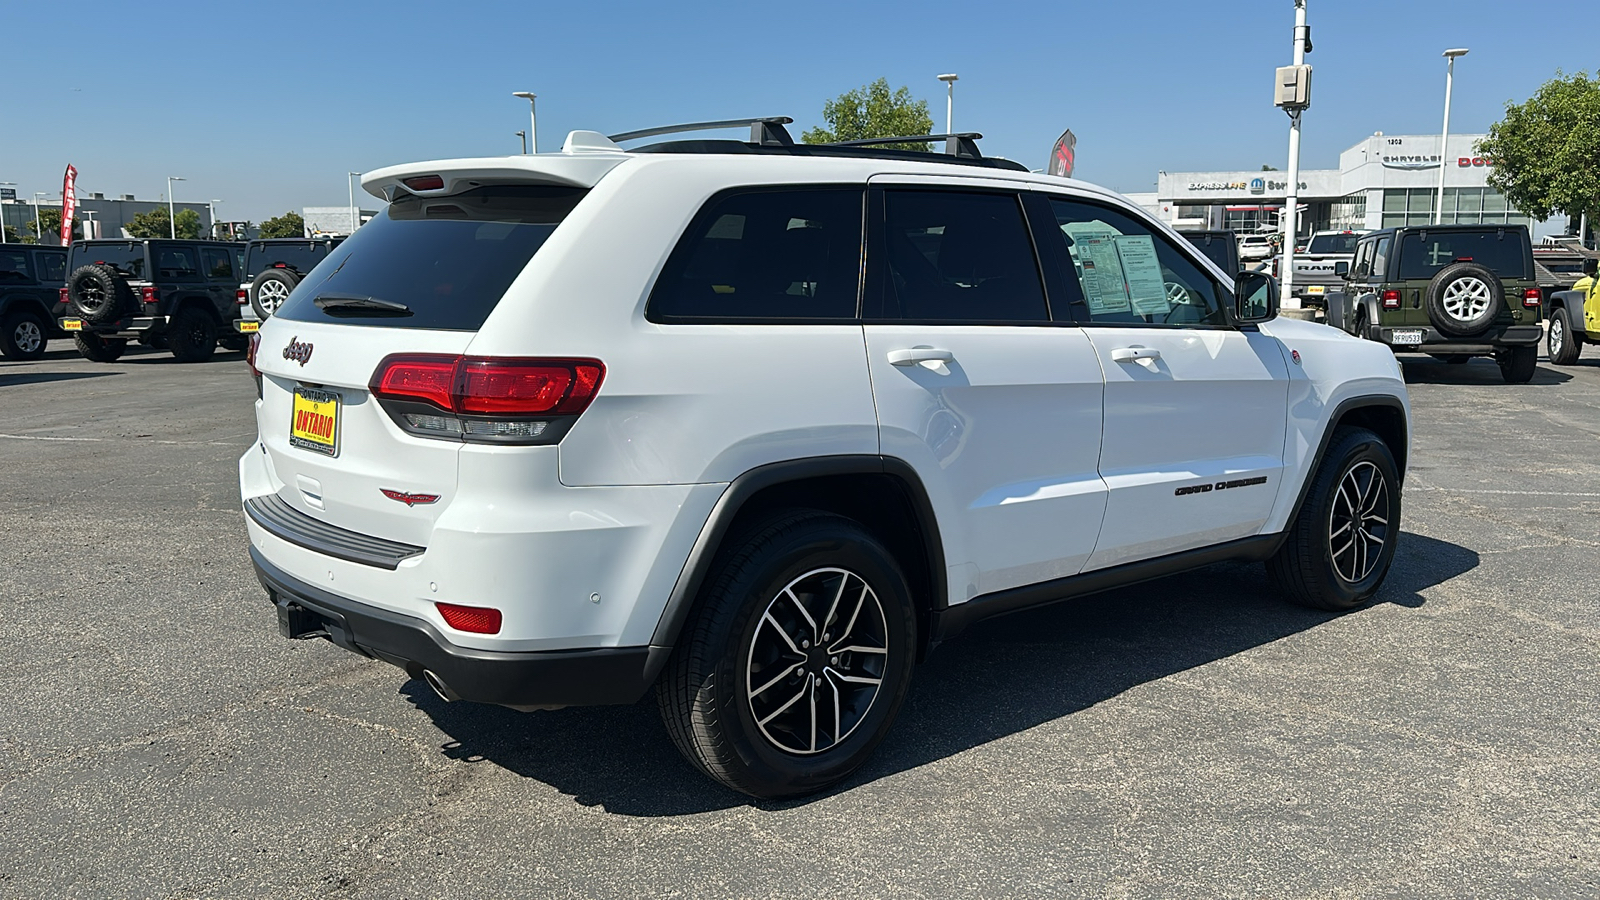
(343, 305)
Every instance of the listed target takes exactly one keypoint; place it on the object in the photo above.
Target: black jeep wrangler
(1451, 291)
(172, 294)
(30, 282)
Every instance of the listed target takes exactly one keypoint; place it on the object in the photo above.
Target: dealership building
(1381, 182)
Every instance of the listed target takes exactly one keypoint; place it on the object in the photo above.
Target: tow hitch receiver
(298, 623)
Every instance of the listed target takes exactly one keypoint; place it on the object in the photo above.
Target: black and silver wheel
(1564, 349)
(192, 335)
(1341, 544)
(22, 335)
(1464, 299)
(1517, 364)
(270, 289)
(796, 659)
(97, 293)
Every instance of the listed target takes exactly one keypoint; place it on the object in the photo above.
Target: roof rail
(767, 130)
(963, 144)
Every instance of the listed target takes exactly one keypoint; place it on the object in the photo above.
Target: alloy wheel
(91, 297)
(271, 294)
(1558, 337)
(1466, 298)
(27, 336)
(817, 661)
(1358, 523)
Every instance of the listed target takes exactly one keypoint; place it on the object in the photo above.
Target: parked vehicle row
(753, 426)
(30, 277)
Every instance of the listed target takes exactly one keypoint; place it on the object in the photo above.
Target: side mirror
(1257, 296)
(1591, 266)
(1341, 269)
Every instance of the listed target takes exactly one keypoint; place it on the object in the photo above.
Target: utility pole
(1294, 95)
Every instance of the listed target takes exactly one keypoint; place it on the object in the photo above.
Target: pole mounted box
(1293, 90)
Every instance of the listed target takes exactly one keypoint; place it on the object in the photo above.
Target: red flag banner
(69, 203)
(1064, 156)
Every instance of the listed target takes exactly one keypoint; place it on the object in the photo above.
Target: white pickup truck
(1313, 267)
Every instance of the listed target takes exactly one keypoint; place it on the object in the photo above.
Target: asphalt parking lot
(1192, 737)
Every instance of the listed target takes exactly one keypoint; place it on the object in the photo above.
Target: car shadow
(1478, 370)
(12, 379)
(999, 678)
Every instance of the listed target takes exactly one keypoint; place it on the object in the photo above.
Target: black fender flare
(1572, 302)
(698, 565)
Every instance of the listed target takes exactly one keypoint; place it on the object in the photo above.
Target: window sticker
(1141, 272)
(1094, 253)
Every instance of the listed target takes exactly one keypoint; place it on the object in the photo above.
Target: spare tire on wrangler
(1464, 299)
(98, 294)
(270, 289)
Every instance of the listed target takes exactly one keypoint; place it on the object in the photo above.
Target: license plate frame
(70, 324)
(1317, 289)
(247, 326)
(1410, 337)
(306, 433)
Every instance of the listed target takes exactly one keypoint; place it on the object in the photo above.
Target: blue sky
(266, 106)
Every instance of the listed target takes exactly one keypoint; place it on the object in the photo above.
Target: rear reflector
(424, 182)
(1391, 299)
(1531, 297)
(476, 619)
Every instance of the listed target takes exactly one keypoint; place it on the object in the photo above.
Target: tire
(192, 335)
(270, 289)
(1464, 299)
(751, 625)
(95, 348)
(1517, 364)
(1315, 567)
(23, 335)
(97, 293)
(1564, 348)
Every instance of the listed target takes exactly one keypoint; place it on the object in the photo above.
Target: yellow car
(1575, 317)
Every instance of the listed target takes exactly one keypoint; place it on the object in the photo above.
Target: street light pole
(3, 207)
(524, 136)
(211, 207)
(1444, 136)
(355, 218)
(38, 229)
(949, 101)
(172, 213)
(533, 123)
(1291, 204)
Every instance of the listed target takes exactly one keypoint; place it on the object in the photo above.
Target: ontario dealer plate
(315, 423)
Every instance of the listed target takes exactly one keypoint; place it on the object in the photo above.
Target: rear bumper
(520, 680)
(128, 327)
(1434, 342)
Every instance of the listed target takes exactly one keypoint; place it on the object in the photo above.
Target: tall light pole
(524, 136)
(355, 217)
(1444, 136)
(5, 184)
(172, 213)
(949, 101)
(1291, 200)
(533, 123)
(38, 230)
(211, 207)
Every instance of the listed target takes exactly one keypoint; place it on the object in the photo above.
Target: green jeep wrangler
(1451, 291)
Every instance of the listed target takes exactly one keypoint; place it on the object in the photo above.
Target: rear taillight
(1391, 299)
(486, 399)
(250, 360)
(476, 619)
(149, 294)
(1531, 297)
(241, 296)
(61, 295)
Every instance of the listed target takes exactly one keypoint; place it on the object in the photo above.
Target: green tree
(11, 235)
(152, 224)
(873, 111)
(1546, 150)
(287, 225)
(49, 221)
(188, 224)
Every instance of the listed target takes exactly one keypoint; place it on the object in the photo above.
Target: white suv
(757, 425)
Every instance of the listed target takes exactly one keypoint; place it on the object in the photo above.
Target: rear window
(1333, 243)
(1424, 253)
(436, 263)
(52, 267)
(126, 257)
(1219, 248)
(299, 256)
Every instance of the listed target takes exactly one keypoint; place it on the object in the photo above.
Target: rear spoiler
(582, 162)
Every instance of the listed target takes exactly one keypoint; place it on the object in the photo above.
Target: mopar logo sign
(1258, 185)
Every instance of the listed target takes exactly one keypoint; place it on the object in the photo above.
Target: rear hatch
(419, 279)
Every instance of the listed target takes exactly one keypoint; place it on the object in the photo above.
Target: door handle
(1135, 354)
(915, 355)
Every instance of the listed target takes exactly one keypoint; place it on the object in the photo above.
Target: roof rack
(767, 131)
(962, 144)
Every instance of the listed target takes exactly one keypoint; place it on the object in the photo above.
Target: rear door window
(765, 255)
(14, 267)
(176, 264)
(1423, 253)
(1333, 243)
(52, 267)
(956, 257)
(219, 264)
(436, 262)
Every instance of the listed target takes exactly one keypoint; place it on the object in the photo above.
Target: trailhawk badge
(297, 351)
(409, 499)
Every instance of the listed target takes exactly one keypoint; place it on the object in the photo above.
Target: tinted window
(299, 256)
(786, 254)
(1333, 243)
(1219, 248)
(175, 263)
(13, 267)
(52, 267)
(1423, 253)
(219, 264)
(1380, 255)
(127, 257)
(1129, 275)
(446, 260)
(945, 256)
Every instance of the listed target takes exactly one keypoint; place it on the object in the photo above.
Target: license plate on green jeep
(1410, 338)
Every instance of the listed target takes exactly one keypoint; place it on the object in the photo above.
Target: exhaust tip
(439, 687)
